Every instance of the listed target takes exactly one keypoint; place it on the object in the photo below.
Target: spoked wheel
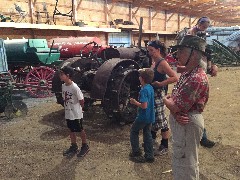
(116, 102)
(39, 82)
(16, 109)
(125, 108)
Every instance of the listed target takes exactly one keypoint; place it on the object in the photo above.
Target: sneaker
(207, 143)
(84, 150)
(162, 150)
(141, 159)
(135, 154)
(71, 151)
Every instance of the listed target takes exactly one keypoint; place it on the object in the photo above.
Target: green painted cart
(32, 64)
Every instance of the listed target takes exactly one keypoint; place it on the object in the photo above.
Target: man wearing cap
(189, 96)
(200, 30)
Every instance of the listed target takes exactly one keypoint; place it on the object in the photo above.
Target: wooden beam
(150, 18)
(130, 11)
(179, 22)
(183, 19)
(75, 11)
(170, 17)
(155, 14)
(165, 20)
(136, 10)
(79, 4)
(113, 4)
(136, 19)
(31, 10)
(190, 21)
(194, 21)
(108, 13)
(34, 2)
(105, 11)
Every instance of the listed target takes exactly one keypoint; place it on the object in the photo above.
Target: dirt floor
(31, 147)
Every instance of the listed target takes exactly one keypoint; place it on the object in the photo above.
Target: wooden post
(130, 12)
(165, 21)
(179, 21)
(106, 12)
(31, 10)
(150, 19)
(75, 11)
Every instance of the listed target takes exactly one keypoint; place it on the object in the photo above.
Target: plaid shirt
(191, 91)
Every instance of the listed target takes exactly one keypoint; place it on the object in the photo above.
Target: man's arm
(181, 118)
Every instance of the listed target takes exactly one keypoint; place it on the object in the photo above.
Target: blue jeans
(147, 138)
(204, 137)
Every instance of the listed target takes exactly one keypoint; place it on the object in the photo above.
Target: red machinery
(75, 46)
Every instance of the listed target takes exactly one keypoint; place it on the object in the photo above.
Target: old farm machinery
(224, 43)
(105, 74)
(32, 64)
(11, 108)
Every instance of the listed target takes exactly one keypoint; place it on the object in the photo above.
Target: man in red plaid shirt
(189, 96)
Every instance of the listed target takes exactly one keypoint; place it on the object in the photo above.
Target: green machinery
(32, 64)
(11, 108)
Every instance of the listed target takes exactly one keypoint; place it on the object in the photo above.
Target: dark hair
(159, 45)
(68, 71)
(147, 74)
(203, 20)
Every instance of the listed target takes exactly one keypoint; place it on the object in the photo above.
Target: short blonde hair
(147, 74)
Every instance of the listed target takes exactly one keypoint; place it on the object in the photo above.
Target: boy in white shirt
(73, 104)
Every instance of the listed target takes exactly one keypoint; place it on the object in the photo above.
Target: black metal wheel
(15, 109)
(116, 102)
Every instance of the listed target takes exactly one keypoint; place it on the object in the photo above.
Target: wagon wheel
(15, 109)
(39, 81)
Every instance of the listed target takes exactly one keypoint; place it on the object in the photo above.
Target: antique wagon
(32, 64)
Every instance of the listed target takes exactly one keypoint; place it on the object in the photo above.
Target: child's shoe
(84, 150)
(135, 154)
(71, 151)
(162, 150)
(141, 159)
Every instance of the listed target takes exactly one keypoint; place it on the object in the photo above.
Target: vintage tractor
(107, 75)
(12, 108)
(32, 64)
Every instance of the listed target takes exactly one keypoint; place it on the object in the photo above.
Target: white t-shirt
(71, 95)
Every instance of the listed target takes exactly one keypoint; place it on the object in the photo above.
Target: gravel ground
(31, 147)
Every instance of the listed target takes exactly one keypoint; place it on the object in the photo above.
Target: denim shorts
(75, 125)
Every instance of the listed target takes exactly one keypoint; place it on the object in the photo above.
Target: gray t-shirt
(72, 95)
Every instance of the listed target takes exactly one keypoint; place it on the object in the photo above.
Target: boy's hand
(133, 101)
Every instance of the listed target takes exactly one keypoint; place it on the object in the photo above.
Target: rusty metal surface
(103, 74)
(70, 47)
(122, 52)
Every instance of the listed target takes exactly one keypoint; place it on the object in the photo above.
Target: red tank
(71, 47)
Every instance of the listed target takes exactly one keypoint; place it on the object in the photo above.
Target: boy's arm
(142, 105)
(81, 102)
